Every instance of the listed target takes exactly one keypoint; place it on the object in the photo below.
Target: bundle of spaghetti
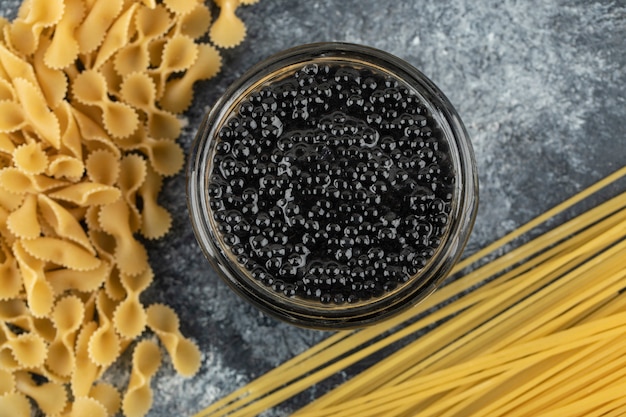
(552, 288)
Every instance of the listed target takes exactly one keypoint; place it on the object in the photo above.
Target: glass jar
(333, 185)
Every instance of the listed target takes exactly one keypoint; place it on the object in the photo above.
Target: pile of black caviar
(332, 184)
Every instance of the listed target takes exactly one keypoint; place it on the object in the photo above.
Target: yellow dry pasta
(132, 142)
(196, 23)
(113, 286)
(155, 51)
(13, 116)
(30, 158)
(9, 238)
(150, 24)
(53, 82)
(65, 166)
(7, 360)
(228, 30)
(90, 88)
(93, 28)
(6, 91)
(86, 371)
(130, 316)
(61, 252)
(7, 94)
(51, 398)
(25, 32)
(103, 242)
(14, 67)
(117, 36)
(178, 93)
(108, 396)
(16, 312)
(39, 293)
(178, 53)
(6, 144)
(138, 397)
(63, 223)
(139, 91)
(70, 135)
(84, 146)
(150, 3)
(64, 279)
(180, 7)
(36, 111)
(184, 353)
(156, 220)
(23, 222)
(405, 368)
(102, 167)
(93, 135)
(130, 255)
(87, 194)
(7, 382)
(28, 350)
(18, 182)
(8, 202)
(133, 168)
(86, 406)
(10, 277)
(14, 404)
(104, 344)
(63, 48)
(67, 317)
(113, 79)
(166, 157)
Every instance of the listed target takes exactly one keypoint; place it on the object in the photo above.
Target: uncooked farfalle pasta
(184, 353)
(138, 397)
(14, 404)
(67, 318)
(90, 93)
(130, 316)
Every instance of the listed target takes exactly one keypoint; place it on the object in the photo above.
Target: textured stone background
(540, 85)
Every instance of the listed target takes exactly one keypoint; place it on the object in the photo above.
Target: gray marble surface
(540, 85)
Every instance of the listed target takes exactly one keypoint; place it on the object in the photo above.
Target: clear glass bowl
(361, 311)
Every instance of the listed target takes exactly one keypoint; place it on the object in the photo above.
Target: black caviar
(332, 184)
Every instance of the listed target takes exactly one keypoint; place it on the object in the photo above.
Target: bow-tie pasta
(90, 98)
